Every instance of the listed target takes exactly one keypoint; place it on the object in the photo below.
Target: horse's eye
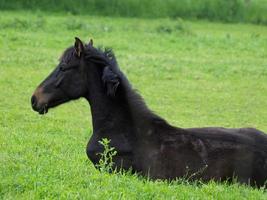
(61, 69)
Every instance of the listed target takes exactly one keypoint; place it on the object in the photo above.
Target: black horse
(144, 141)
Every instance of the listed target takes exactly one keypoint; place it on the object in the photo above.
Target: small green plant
(177, 26)
(106, 157)
(73, 24)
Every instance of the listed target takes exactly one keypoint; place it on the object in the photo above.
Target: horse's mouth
(43, 110)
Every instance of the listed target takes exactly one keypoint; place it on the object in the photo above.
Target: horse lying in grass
(145, 142)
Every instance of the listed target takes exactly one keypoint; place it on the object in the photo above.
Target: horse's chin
(43, 110)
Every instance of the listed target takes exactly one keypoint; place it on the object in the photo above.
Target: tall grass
(254, 11)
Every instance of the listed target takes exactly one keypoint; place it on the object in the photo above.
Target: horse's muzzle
(40, 109)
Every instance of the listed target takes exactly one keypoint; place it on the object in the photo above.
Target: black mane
(105, 56)
(101, 55)
(98, 55)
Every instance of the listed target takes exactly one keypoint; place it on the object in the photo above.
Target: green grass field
(194, 74)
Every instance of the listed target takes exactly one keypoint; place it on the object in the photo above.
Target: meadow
(192, 73)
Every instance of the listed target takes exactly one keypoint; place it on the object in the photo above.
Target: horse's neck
(126, 115)
(107, 116)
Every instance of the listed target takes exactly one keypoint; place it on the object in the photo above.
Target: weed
(106, 157)
(179, 26)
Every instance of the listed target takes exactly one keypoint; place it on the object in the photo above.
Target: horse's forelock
(67, 54)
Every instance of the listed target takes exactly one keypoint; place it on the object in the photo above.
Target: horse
(146, 143)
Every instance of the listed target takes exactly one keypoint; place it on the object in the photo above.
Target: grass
(191, 73)
(252, 11)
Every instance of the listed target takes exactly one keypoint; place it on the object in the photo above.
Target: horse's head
(80, 67)
(65, 83)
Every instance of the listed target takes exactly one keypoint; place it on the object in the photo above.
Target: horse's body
(144, 141)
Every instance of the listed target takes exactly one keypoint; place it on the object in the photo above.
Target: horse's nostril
(33, 100)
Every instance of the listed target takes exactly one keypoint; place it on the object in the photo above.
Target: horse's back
(243, 149)
(249, 136)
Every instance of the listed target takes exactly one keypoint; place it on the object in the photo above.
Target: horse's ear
(111, 81)
(79, 48)
(91, 42)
